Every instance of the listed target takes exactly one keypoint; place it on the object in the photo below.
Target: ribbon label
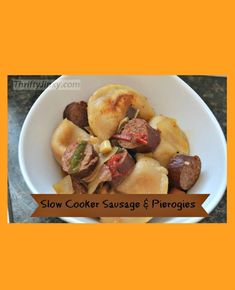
(120, 205)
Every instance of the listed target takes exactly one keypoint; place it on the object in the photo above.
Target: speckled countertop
(211, 89)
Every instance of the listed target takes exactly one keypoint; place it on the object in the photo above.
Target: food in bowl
(116, 143)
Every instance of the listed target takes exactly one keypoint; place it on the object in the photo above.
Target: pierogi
(173, 139)
(147, 177)
(108, 106)
(64, 135)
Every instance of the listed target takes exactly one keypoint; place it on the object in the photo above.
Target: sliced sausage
(138, 135)
(79, 159)
(120, 165)
(79, 186)
(89, 161)
(77, 113)
(67, 155)
(175, 190)
(184, 171)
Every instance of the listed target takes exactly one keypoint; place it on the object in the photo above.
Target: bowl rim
(210, 207)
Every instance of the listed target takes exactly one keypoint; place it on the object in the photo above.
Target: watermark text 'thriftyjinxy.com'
(42, 84)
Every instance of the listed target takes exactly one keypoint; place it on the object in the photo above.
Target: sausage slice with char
(184, 171)
(79, 159)
(120, 165)
(77, 113)
(138, 135)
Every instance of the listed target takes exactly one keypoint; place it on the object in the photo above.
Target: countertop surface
(211, 89)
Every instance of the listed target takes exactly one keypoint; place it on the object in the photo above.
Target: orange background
(116, 37)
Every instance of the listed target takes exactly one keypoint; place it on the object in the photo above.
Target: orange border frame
(125, 37)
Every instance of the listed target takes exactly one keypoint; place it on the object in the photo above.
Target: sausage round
(184, 171)
(88, 161)
(77, 113)
(120, 165)
(79, 186)
(138, 135)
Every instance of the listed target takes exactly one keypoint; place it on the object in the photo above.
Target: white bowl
(169, 95)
